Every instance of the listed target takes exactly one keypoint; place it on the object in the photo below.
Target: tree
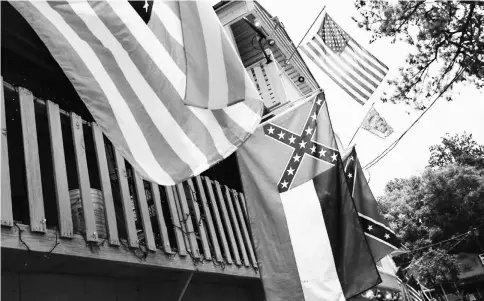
(461, 149)
(449, 44)
(433, 213)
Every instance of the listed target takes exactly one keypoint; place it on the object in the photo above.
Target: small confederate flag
(381, 238)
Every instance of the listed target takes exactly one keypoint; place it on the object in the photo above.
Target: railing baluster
(226, 220)
(126, 200)
(145, 214)
(60, 171)
(208, 219)
(245, 232)
(187, 220)
(198, 217)
(238, 234)
(32, 164)
(169, 190)
(181, 218)
(244, 206)
(83, 178)
(165, 241)
(102, 164)
(7, 214)
(218, 221)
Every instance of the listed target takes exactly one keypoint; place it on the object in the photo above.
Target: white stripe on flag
(151, 44)
(376, 222)
(161, 117)
(218, 88)
(222, 144)
(365, 54)
(336, 77)
(132, 133)
(170, 20)
(341, 64)
(310, 242)
(242, 115)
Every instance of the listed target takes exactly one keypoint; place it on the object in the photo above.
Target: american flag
(147, 73)
(342, 59)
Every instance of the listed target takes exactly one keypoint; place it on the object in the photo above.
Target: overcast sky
(465, 113)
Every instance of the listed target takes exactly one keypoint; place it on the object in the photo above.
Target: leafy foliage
(436, 266)
(457, 149)
(448, 37)
(441, 204)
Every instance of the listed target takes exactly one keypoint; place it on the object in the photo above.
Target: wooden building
(78, 223)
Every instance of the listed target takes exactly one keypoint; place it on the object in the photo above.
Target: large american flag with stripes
(147, 77)
(343, 60)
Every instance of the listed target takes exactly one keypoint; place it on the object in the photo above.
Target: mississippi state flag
(308, 240)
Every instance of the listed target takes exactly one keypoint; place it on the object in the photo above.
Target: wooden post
(218, 221)
(32, 164)
(83, 178)
(126, 200)
(7, 213)
(227, 223)
(235, 223)
(155, 190)
(182, 251)
(60, 171)
(193, 203)
(208, 219)
(145, 214)
(102, 164)
(245, 228)
(186, 220)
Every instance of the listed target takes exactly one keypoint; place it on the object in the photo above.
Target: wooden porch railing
(182, 226)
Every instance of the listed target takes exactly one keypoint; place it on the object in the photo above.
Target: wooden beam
(208, 219)
(7, 213)
(77, 247)
(165, 241)
(228, 226)
(60, 171)
(235, 223)
(186, 220)
(145, 214)
(175, 221)
(194, 202)
(83, 178)
(218, 221)
(32, 163)
(102, 163)
(245, 226)
(126, 200)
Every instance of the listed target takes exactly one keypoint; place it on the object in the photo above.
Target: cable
(446, 240)
(392, 146)
(295, 49)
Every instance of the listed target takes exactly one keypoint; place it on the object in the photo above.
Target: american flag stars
(302, 144)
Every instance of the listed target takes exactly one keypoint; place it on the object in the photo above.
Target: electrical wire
(466, 234)
(392, 146)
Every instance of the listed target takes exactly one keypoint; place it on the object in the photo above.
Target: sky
(410, 156)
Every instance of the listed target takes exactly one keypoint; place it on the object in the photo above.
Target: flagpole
(294, 51)
(364, 118)
(292, 105)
